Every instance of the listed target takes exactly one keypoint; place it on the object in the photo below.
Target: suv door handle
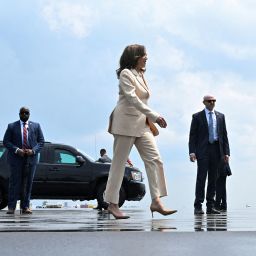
(54, 169)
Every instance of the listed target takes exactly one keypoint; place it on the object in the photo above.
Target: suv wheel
(3, 201)
(100, 196)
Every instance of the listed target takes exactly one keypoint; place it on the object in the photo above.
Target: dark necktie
(25, 137)
(210, 127)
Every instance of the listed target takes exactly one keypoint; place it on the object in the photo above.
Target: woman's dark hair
(130, 57)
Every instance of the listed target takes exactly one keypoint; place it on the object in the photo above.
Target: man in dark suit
(208, 144)
(23, 139)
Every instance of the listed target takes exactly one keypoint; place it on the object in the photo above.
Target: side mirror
(80, 160)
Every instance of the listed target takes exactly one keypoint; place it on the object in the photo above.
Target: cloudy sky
(59, 59)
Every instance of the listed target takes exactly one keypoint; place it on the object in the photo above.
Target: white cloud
(9, 59)
(206, 24)
(212, 25)
(75, 17)
(239, 52)
(168, 56)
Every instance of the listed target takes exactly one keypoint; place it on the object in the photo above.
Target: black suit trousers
(207, 166)
(20, 184)
(221, 193)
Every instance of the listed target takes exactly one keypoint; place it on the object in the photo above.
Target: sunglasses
(210, 101)
(25, 113)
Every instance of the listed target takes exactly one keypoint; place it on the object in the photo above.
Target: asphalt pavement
(90, 232)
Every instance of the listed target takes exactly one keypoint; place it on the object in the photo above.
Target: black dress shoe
(212, 211)
(10, 211)
(223, 208)
(198, 211)
(217, 207)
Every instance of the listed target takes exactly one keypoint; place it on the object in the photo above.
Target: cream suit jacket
(129, 116)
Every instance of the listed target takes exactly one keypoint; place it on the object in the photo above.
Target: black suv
(64, 172)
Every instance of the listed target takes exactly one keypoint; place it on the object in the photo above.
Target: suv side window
(62, 156)
(2, 149)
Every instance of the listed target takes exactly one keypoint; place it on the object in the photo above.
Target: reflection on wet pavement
(140, 220)
(211, 223)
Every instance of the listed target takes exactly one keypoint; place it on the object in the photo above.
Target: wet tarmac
(89, 220)
(79, 232)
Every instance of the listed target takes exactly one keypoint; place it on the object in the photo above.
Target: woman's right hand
(161, 122)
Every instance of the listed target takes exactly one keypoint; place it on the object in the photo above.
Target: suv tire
(100, 196)
(3, 200)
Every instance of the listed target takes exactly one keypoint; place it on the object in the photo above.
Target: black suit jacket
(199, 135)
(13, 140)
(224, 169)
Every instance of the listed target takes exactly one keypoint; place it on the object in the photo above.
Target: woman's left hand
(161, 122)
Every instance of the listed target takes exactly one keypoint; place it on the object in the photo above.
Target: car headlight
(136, 176)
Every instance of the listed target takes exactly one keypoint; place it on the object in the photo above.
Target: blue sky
(59, 58)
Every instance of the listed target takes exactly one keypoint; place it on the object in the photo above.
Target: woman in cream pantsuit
(129, 123)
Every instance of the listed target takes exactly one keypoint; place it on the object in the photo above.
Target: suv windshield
(87, 156)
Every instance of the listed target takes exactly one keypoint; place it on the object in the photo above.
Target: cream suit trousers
(147, 148)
